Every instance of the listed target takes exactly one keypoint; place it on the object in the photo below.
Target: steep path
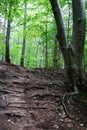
(28, 101)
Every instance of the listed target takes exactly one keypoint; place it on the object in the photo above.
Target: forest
(43, 64)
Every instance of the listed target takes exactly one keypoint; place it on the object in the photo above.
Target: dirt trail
(27, 101)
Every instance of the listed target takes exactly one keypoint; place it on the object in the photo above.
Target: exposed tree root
(61, 97)
(7, 91)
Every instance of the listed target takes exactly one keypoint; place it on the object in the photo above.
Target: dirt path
(27, 101)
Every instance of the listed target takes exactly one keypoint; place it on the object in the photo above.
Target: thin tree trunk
(46, 58)
(7, 53)
(4, 38)
(41, 54)
(24, 37)
(4, 30)
(55, 57)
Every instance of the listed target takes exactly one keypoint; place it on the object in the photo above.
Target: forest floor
(32, 99)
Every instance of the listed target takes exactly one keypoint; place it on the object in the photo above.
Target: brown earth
(32, 99)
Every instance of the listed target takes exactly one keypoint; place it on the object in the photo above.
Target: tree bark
(78, 36)
(46, 47)
(24, 37)
(72, 53)
(7, 53)
(55, 57)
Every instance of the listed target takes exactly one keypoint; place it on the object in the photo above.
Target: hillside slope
(31, 99)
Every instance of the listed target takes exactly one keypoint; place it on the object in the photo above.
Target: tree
(24, 35)
(7, 54)
(46, 53)
(73, 52)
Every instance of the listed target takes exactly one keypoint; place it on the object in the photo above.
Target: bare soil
(31, 99)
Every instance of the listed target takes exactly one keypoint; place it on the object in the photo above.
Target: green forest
(43, 64)
(45, 34)
(39, 33)
(40, 48)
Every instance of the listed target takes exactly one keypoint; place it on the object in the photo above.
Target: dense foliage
(41, 50)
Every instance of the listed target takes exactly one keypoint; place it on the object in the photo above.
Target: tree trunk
(7, 53)
(4, 38)
(68, 22)
(46, 51)
(24, 37)
(78, 36)
(55, 57)
(72, 53)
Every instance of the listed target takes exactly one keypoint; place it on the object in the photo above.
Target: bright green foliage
(2, 51)
(41, 30)
(38, 18)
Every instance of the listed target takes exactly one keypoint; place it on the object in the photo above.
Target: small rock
(9, 120)
(56, 126)
(81, 124)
